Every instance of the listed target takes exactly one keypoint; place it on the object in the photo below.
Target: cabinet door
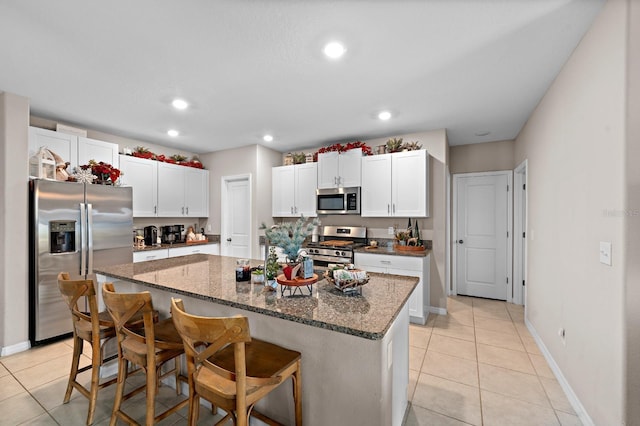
(92, 149)
(328, 170)
(416, 308)
(409, 176)
(350, 167)
(171, 183)
(282, 191)
(142, 176)
(376, 186)
(196, 192)
(305, 189)
(66, 146)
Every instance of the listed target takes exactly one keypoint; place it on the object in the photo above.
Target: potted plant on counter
(271, 269)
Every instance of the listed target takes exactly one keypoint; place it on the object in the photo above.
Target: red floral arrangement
(142, 152)
(366, 149)
(102, 169)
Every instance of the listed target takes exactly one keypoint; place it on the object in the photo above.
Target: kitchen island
(355, 349)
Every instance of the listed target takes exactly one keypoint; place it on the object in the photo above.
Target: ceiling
(250, 67)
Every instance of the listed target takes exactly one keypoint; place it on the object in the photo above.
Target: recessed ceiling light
(384, 115)
(267, 138)
(334, 50)
(179, 104)
(483, 133)
(173, 133)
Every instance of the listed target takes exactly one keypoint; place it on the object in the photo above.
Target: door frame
(454, 226)
(521, 213)
(224, 232)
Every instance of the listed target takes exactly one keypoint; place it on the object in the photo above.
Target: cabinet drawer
(197, 249)
(142, 256)
(389, 261)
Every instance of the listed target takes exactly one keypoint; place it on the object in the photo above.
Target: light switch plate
(605, 253)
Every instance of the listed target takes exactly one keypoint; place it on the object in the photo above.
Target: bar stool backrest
(74, 291)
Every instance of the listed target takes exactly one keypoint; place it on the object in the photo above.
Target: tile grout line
(475, 341)
(32, 397)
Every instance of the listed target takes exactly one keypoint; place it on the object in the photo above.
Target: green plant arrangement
(271, 266)
(289, 236)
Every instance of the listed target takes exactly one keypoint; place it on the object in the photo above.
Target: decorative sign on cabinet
(403, 265)
(165, 190)
(339, 169)
(396, 185)
(294, 190)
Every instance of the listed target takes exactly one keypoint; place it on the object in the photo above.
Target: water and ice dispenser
(62, 236)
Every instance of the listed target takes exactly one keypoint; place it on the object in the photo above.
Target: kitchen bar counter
(212, 278)
(355, 349)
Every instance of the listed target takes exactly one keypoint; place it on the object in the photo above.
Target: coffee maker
(172, 234)
(150, 235)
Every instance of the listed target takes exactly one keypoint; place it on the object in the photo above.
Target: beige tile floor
(477, 365)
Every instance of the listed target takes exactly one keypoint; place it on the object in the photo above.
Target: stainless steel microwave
(338, 200)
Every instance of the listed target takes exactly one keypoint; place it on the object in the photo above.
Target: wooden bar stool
(95, 327)
(149, 347)
(230, 369)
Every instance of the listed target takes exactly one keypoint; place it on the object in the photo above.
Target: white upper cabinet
(339, 170)
(196, 192)
(396, 185)
(65, 145)
(142, 176)
(294, 190)
(165, 190)
(77, 150)
(182, 191)
(92, 149)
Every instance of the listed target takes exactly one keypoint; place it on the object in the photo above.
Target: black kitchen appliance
(172, 234)
(150, 235)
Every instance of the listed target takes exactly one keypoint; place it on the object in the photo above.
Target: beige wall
(632, 219)
(14, 278)
(482, 157)
(575, 146)
(254, 160)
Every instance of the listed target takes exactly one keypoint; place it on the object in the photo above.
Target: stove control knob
(343, 254)
(337, 253)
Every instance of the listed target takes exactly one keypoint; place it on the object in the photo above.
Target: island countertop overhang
(212, 278)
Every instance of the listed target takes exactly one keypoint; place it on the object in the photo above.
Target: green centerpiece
(289, 236)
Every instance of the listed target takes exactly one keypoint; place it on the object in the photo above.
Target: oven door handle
(331, 259)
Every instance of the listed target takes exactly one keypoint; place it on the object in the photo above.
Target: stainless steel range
(336, 245)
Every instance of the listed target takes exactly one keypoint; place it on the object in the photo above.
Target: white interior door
(236, 219)
(483, 235)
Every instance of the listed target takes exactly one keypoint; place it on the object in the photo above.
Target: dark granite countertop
(213, 278)
(392, 252)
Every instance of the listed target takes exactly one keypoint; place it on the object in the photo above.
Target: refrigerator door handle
(90, 238)
(83, 239)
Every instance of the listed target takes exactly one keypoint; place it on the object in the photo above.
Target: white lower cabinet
(195, 249)
(143, 256)
(403, 265)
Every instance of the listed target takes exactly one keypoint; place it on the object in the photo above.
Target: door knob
(228, 239)
(460, 241)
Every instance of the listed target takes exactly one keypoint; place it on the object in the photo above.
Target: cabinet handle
(386, 262)
(394, 208)
(155, 209)
(388, 208)
(183, 210)
(187, 211)
(291, 209)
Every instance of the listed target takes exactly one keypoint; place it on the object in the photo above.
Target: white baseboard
(437, 311)
(571, 395)
(14, 349)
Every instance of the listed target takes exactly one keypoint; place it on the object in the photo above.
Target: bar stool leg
(297, 393)
(96, 354)
(77, 351)
(123, 365)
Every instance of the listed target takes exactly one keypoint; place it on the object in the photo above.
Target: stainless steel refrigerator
(74, 228)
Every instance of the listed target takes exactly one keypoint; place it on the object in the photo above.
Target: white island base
(346, 380)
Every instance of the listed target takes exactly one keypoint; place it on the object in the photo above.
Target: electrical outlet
(208, 227)
(562, 334)
(390, 230)
(605, 253)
